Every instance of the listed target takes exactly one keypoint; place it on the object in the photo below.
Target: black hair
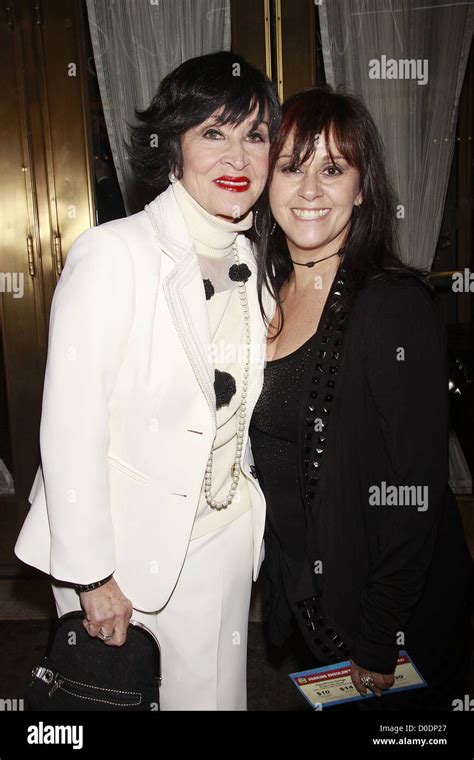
(185, 98)
(371, 248)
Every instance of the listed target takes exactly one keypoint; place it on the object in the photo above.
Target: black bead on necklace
(312, 263)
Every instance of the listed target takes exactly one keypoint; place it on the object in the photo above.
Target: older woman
(145, 504)
(365, 551)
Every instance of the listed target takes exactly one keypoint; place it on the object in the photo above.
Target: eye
(212, 134)
(334, 170)
(289, 169)
(256, 137)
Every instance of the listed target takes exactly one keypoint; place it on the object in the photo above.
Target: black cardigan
(393, 576)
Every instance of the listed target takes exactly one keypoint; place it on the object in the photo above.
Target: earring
(256, 228)
(172, 177)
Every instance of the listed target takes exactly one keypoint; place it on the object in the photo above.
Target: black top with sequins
(274, 436)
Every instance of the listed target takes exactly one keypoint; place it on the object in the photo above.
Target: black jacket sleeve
(406, 373)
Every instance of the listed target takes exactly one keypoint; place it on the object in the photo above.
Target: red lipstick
(233, 184)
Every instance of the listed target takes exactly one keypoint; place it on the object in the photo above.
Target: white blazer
(128, 416)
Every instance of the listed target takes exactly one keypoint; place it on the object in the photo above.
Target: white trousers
(203, 627)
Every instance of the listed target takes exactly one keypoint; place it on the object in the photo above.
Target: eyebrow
(263, 122)
(212, 122)
(289, 155)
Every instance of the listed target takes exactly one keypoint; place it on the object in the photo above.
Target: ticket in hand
(332, 684)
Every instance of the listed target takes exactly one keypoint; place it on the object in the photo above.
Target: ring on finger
(105, 636)
(367, 680)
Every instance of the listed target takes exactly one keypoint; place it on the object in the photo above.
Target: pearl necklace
(213, 503)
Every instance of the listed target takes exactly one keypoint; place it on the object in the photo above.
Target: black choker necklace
(312, 263)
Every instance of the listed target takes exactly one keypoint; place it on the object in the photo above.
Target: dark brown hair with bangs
(371, 247)
(305, 124)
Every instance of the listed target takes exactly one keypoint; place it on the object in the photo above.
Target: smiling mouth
(233, 184)
(310, 215)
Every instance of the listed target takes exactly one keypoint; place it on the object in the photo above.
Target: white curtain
(407, 60)
(136, 43)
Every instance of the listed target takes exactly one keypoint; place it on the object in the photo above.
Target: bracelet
(92, 586)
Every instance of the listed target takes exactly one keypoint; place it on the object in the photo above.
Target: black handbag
(80, 672)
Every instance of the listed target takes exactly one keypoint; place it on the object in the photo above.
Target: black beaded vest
(318, 393)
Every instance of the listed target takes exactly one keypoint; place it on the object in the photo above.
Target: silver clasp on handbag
(44, 674)
(49, 677)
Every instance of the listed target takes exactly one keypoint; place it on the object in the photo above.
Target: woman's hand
(107, 610)
(381, 681)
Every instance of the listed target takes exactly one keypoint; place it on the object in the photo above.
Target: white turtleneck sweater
(213, 238)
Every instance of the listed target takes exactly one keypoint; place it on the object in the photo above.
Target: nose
(236, 156)
(310, 187)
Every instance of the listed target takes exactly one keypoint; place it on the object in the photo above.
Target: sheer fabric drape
(407, 61)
